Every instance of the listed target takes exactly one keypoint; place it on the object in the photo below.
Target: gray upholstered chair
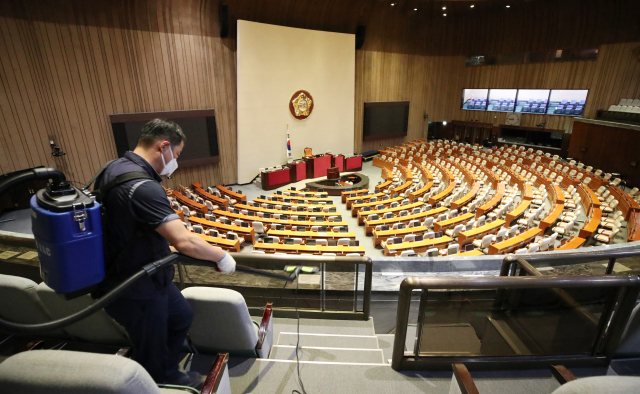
(66, 372)
(20, 303)
(97, 328)
(222, 323)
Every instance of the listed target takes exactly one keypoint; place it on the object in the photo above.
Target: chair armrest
(216, 376)
(265, 332)
(562, 374)
(462, 378)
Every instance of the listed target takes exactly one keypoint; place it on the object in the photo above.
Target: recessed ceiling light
(444, 8)
(444, 14)
(508, 6)
(415, 9)
(392, 4)
(472, 6)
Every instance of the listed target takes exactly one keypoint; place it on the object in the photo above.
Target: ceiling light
(444, 8)
(444, 14)
(508, 6)
(392, 4)
(472, 6)
(415, 9)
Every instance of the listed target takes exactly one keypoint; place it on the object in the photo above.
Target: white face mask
(171, 166)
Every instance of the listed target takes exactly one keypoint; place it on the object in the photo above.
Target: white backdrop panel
(273, 63)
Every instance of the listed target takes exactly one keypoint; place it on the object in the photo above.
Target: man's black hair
(159, 129)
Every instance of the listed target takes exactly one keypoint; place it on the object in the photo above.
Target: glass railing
(519, 319)
(341, 289)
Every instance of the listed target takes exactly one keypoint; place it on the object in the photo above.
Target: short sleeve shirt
(134, 210)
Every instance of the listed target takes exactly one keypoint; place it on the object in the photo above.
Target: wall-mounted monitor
(502, 100)
(532, 101)
(475, 99)
(199, 126)
(385, 120)
(567, 102)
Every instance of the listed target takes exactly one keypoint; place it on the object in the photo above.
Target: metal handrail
(326, 263)
(623, 304)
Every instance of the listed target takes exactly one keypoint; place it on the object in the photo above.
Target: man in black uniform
(140, 226)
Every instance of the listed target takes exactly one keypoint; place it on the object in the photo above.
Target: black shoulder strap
(100, 171)
(120, 179)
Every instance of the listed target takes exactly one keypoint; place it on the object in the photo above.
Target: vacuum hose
(147, 270)
(58, 178)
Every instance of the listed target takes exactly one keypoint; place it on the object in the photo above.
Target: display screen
(199, 126)
(567, 102)
(475, 99)
(385, 119)
(502, 100)
(532, 101)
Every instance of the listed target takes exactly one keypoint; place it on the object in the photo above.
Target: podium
(275, 179)
(353, 163)
(298, 171)
(317, 166)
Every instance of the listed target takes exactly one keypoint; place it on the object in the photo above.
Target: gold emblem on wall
(301, 105)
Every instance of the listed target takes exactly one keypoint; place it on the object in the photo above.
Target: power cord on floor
(298, 346)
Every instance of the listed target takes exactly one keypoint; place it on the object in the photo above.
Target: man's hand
(191, 244)
(227, 265)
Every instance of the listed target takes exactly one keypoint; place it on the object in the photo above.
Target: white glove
(227, 265)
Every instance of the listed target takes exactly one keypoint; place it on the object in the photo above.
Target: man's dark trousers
(157, 328)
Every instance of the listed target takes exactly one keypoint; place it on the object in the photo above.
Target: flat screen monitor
(475, 99)
(199, 126)
(332, 242)
(310, 242)
(288, 241)
(385, 119)
(279, 227)
(567, 102)
(322, 229)
(502, 100)
(532, 101)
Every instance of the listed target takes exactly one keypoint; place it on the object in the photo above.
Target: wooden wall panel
(65, 65)
(69, 65)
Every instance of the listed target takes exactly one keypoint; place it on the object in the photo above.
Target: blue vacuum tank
(68, 233)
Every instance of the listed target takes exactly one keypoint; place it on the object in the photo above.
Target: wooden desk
(402, 187)
(288, 213)
(346, 195)
(313, 249)
(495, 200)
(589, 198)
(383, 185)
(517, 211)
(310, 234)
(317, 166)
(233, 195)
(559, 194)
(527, 193)
(180, 214)
(351, 200)
(291, 204)
(474, 252)
(552, 217)
(413, 196)
(379, 236)
(514, 243)
(245, 232)
(370, 225)
(467, 237)
(311, 194)
(591, 224)
(299, 199)
(196, 206)
(443, 194)
(633, 227)
(215, 200)
(355, 208)
(418, 247)
(289, 223)
(625, 203)
(451, 223)
(226, 244)
(408, 207)
(466, 199)
(574, 243)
